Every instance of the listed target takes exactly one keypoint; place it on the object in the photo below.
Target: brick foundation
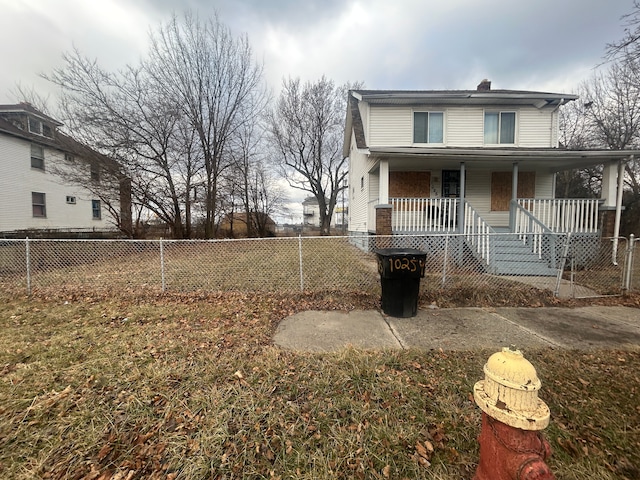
(608, 221)
(383, 220)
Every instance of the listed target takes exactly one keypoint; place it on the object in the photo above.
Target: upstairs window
(37, 157)
(95, 208)
(35, 126)
(499, 128)
(428, 127)
(39, 204)
(95, 172)
(40, 128)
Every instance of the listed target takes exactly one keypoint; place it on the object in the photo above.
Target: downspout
(616, 225)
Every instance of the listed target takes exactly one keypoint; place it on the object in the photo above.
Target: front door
(451, 183)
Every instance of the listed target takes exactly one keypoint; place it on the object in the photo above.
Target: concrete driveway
(463, 329)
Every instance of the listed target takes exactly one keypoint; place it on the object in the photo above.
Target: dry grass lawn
(189, 386)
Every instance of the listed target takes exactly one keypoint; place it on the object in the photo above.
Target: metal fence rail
(569, 265)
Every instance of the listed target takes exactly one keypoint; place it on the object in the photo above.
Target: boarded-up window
(501, 188)
(409, 184)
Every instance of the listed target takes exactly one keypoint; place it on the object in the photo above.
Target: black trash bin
(400, 272)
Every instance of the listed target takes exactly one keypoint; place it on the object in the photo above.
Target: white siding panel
(535, 128)
(464, 127)
(358, 198)
(390, 126)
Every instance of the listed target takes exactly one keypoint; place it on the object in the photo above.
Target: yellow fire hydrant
(511, 444)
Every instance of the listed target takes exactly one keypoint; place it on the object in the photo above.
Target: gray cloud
(545, 45)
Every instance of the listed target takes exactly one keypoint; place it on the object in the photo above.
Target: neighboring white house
(34, 192)
(462, 160)
(311, 213)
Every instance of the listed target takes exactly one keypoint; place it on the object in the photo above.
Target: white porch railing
(560, 215)
(424, 214)
(477, 232)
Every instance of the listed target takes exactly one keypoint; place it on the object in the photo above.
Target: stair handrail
(477, 232)
(532, 232)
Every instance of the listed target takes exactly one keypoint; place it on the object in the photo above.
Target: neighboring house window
(47, 131)
(37, 157)
(428, 127)
(71, 200)
(38, 202)
(95, 207)
(35, 126)
(499, 127)
(95, 173)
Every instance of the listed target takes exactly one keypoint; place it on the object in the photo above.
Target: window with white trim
(499, 128)
(39, 204)
(428, 127)
(71, 200)
(95, 208)
(37, 157)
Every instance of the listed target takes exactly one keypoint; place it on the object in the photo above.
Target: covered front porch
(415, 191)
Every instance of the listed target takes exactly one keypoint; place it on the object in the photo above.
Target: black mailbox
(400, 272)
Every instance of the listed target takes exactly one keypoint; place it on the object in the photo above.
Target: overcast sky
(544, 45)
(547, 45)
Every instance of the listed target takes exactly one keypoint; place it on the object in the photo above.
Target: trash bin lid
(385, 252)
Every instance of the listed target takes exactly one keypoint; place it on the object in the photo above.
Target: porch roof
(552, 159)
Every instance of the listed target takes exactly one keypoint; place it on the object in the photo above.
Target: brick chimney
(484, 85)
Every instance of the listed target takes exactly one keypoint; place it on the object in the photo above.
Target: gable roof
(59, 140)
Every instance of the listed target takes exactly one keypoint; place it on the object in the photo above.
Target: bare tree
(613, 113)
(629, 44)
(124, 116)
(306, 131)
(210, 76)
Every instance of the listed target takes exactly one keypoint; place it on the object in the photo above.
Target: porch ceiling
(550, 159)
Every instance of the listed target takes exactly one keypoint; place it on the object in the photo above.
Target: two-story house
(50, 182)
(468, 161)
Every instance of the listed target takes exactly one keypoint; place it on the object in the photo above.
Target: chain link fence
(568, 265)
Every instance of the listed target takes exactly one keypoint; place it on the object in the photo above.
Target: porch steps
(512, 257)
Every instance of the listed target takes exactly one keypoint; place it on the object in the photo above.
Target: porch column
(384, 182)
(461, 199)
(609, 185)
(514, 195)
(383, 209)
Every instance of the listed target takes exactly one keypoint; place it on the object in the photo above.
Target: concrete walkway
(464, 329)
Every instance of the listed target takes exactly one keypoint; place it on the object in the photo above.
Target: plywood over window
(501, 188)
(409, 184)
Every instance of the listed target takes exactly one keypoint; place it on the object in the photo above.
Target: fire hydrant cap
(509, 392)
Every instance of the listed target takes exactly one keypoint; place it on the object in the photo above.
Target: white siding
(358, 198)
(535, 128)
(464, 127)
(390, 126)
(18, 180)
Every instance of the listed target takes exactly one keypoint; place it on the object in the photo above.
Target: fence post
(628, 270)
(28, 260)
(444, 262)
(300, 256)
(164, 286)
